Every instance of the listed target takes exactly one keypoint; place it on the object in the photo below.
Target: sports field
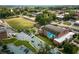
(20, 23)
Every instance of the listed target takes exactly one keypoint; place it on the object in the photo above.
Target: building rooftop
(2, 29)
(53, 28)
(77, 22)
(65, 37)
(60, 16)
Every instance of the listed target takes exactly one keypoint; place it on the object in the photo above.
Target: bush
(4, 47)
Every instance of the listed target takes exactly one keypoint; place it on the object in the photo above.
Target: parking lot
(32, 39)
(19, 49)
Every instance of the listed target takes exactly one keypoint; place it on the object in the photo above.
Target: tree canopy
(5, 12)
(70, 15)
(70, 48)
(45, 18)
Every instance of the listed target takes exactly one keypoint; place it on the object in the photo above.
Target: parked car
(26, 51)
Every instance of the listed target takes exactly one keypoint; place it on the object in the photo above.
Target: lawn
(18, 43)
(7, 41)
(75, 27)
(25, 43)
(45, 39)
(67, 23)
(19, 23)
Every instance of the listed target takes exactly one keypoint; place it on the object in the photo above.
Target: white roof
(1, 21)
(60, 16)
(77, 22)
(66, 13)
(63, 38)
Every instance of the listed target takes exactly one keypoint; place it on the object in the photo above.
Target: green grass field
(45, 39)
(7, 41)
(19, 23)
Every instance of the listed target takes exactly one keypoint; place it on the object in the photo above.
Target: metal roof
(53, 28)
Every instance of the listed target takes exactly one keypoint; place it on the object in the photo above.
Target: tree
(16, 11)
(70, 15)
(70, 48)
(25, 13)
(66, 17)
(1, 43)
(45, 18)
(76, 36)
(5, 12)
(40, 19)
(44, 50)
(4, 47)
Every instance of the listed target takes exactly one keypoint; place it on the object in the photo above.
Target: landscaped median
(18, 43)
(25, 43)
